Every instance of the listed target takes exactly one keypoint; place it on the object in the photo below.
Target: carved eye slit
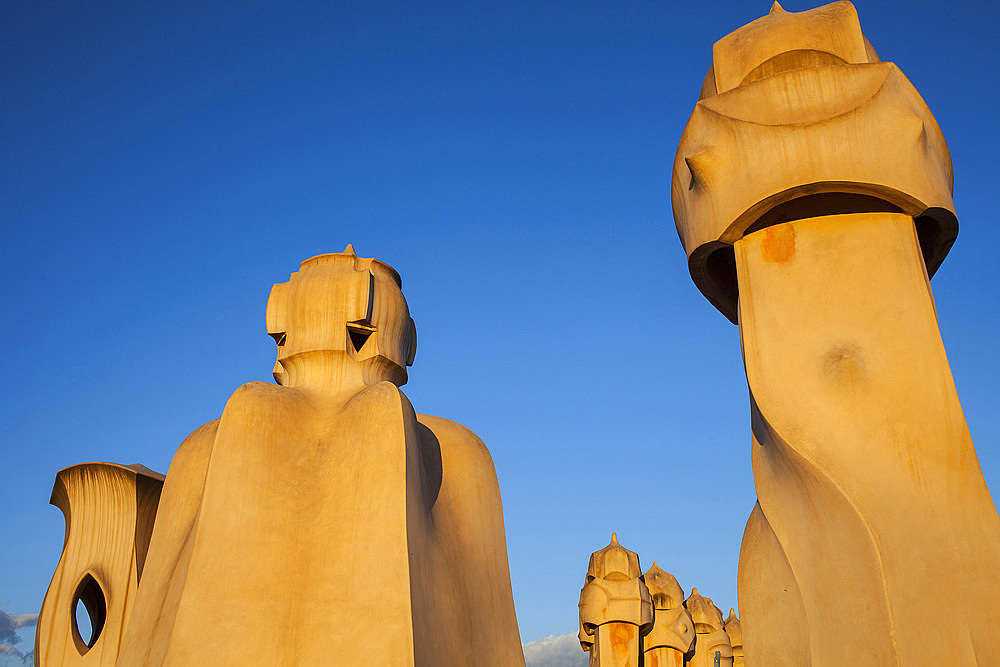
(360, 331)
(90, 610)
(279, 337)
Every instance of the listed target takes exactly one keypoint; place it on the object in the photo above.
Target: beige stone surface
(868, 484)
(109, 511)
(322, 521)
(812, 193)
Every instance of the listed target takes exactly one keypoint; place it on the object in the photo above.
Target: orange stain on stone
(621, 637)
(778, 244)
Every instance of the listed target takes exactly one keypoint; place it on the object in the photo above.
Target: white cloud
(8, 637)
(555, 651)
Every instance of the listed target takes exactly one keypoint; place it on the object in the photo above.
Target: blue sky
(164, 164)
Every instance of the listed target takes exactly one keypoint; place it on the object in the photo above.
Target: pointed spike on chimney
(776, 9)
(349, 250)
(700, 165)
(614, 538)
(915, 126)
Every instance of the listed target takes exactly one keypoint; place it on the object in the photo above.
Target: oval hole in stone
(90, 610)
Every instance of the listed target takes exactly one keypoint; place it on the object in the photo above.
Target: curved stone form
(867, 480)
(109, 511)
(874, 540)
(321, 520)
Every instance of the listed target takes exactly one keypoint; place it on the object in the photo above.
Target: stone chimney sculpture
(735, 632)
(672, 635)
(615, 608)
(109, 511)
(812, 191)
(319, 521)
(628, 620)
(711, 642)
